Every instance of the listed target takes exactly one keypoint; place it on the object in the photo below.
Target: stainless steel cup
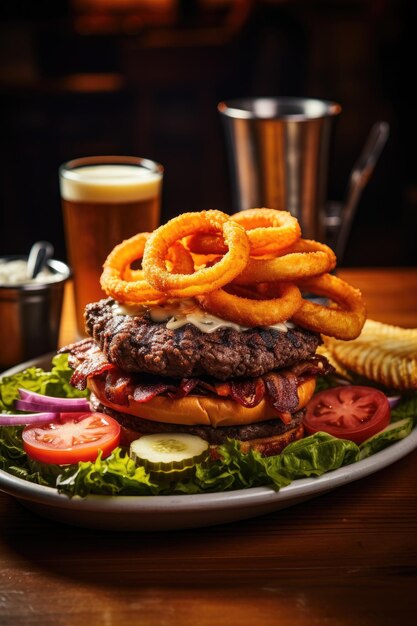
(30, 316)
(278, 150)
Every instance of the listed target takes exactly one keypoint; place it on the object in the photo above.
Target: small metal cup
(278, 151)
(30, 316)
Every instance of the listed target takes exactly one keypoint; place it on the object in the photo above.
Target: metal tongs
(340, 215)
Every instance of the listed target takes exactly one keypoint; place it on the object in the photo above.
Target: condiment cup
(30, 314)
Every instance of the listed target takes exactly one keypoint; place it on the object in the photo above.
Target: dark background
(88, 77)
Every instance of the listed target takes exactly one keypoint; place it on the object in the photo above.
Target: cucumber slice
(171, 454)
(393, 432)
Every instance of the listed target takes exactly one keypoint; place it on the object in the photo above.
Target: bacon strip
(118, 387)
(79, 351)
(248, 393)
(317, 364)
(143, 392)
(87, 359)
(282, 390)
(186, 386)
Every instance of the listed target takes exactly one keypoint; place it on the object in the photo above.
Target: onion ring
(343, 321)
(123, 284)
(205, 279)
(306, 258)
(310, 245)
(179, 260)
(269, 231)
(249, 312)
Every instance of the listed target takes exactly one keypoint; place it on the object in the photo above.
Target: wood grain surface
(346, 558)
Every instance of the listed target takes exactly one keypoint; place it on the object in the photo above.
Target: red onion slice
(29, 418)
(38, 402)
(393, 401)
(57, 406)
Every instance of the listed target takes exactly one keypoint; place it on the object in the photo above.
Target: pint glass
(105, 200)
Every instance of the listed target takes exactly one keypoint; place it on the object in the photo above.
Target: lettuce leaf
(396, 430)
(11, 449)
(407, 407)
(119, 475)
(54, 383)
(315, 455)
(116, 475)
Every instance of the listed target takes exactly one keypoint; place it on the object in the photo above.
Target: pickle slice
(170, 454)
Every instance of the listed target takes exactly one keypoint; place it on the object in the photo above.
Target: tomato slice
(72, 437)
(349, 412)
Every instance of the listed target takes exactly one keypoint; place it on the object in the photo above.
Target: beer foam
(109, 183)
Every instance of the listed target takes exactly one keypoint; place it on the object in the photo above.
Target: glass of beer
(105, 200)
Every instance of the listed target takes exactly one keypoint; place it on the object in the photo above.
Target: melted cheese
(203, 321)
(132, 310)
(177, 313)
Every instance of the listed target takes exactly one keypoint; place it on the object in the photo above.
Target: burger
(214, 341)
(174, 368)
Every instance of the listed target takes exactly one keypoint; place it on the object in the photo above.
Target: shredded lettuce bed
(119, 475)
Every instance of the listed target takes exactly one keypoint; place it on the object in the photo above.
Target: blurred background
(144, 77)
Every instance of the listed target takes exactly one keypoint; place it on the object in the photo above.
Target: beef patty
(137, 344)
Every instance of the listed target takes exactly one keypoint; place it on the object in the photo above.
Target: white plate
(188, 511)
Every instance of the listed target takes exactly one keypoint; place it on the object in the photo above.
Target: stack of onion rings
(250, 268)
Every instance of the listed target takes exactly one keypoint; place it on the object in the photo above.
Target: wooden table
(347, 558)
